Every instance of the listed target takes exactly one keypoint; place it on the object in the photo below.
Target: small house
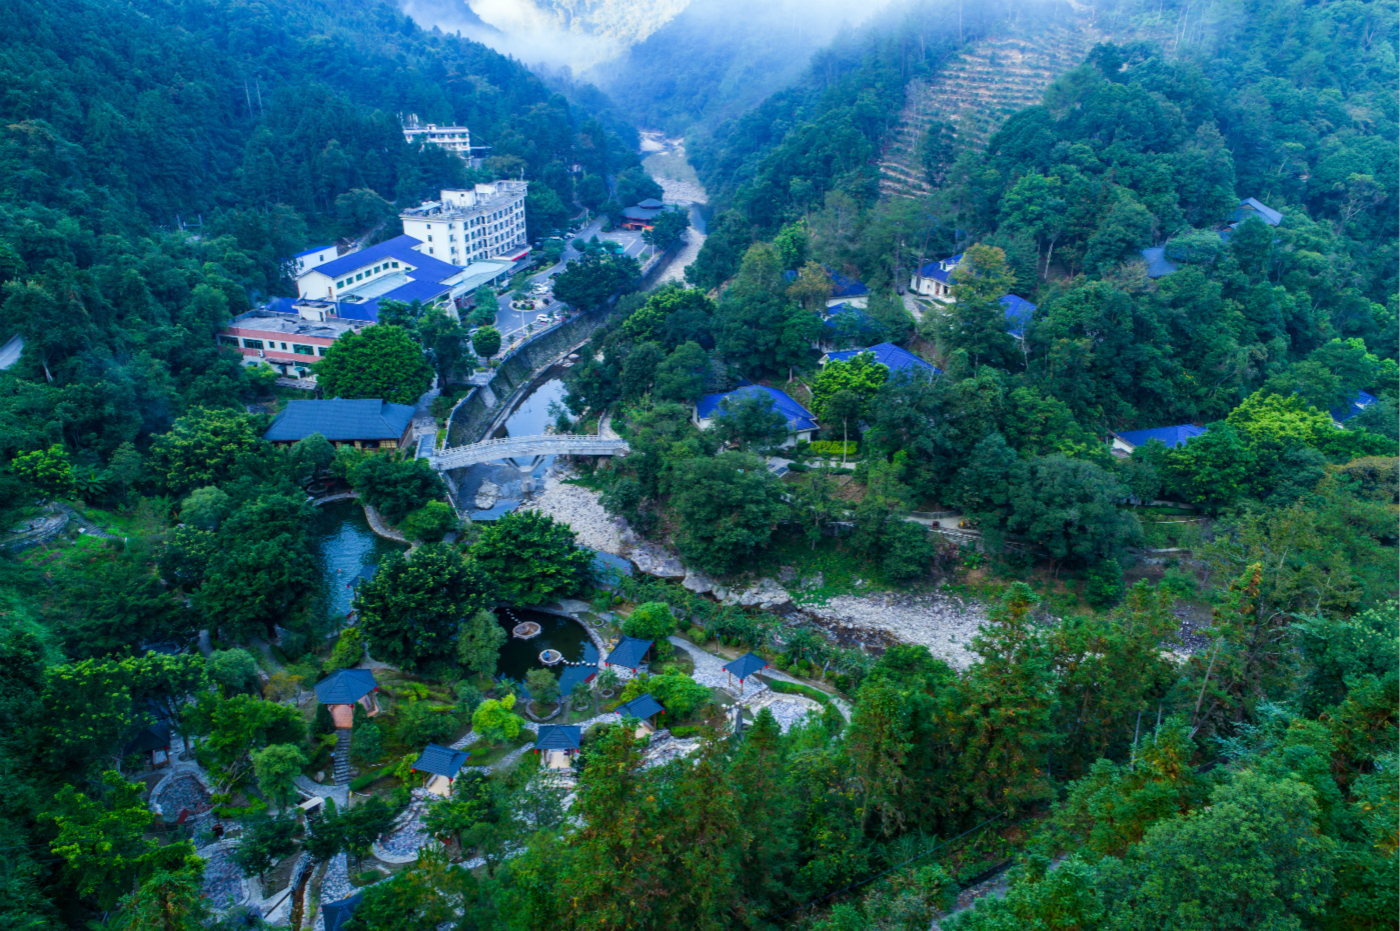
(345, 688)
(1018, 314)
(363, 423)
(1249, 207)
(893, 357)
(845, 325)
(441, 764)
(1356, 405)
(337, 914)
(1125, 442)
(934, 279)
(802, 423)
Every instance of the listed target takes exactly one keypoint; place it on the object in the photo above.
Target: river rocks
(487, 496)
(579, 508)
(653, 560)
(764, 594)
(944, 624)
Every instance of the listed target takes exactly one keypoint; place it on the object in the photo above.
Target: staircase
(342, 756)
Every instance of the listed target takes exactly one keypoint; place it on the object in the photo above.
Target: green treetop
(381, 361)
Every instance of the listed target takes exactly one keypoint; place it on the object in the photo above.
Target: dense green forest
(1205, 744)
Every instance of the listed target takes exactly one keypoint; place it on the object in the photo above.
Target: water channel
(529, 418)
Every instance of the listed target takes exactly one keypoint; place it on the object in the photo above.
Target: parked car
(541, 318)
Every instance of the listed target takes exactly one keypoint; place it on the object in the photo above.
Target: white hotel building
(467, 226)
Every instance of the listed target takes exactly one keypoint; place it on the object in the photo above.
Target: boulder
(487, 496)
(764, 594)
(698, 582)
(653, 560)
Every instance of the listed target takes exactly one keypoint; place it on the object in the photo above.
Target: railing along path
(512, 447)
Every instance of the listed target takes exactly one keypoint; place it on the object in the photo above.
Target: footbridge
(515, 447)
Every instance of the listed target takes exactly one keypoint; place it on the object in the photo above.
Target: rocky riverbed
(579, 508)
(944, 624)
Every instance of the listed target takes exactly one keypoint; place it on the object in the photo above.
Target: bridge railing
(457, 456)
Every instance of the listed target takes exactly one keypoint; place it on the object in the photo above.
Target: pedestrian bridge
(515, 447)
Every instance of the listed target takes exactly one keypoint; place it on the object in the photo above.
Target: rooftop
(893, 357)
(798, 417)
(1158, 265)
(573, 675)
(558, 737)
(345, 686)
(746, 665)
(1018, 313)
(315, 249)
(401, 248)
(292, 324)
(1171, 437)
(1249, 207)
(462, 204)
(341, 419)
(337, 914)
(1359, 403)
(440, 761)
(629, 652)
(643, 707)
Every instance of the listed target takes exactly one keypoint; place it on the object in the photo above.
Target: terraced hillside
(990, 80)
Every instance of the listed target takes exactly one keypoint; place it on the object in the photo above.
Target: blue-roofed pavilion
(643, 708)
(628, 653)
(745, 666)
(345, 686)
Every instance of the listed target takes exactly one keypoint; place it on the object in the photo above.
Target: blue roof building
(1125, 442)
(843, 287)
(629, 653)
(345, 686)
(1018, 314)
(1359, 403)
(848, 325)
(802, 423)
(934, 278)
(366, 423)
(643, 707)
(1249, 207)
(566, 737)
(441, 761)
(893, 357)
(397, 269)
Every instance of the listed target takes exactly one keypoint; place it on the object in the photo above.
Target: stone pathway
(88, 527)
(339, 794)
(334, 886)
(709, 670)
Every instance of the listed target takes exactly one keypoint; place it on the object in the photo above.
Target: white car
(541, 318)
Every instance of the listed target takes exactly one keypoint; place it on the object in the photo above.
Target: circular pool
(558, 635)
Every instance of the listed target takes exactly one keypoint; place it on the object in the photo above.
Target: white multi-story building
(452, 138)
(485, 222)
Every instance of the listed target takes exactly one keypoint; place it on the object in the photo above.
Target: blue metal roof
(345, 686)
(558, 737)
(341, 419)
(643, 707)
(853, 319)
(798, 417)
(1249, 207)
(1158, 265)
(401, 248)
(337, 914)
(628, 652)
(1171, 437)
(1359, 403)
(573, 675)
(841, 285)
(313, 251)
(441, 761)
(1018, 313)
(746, 665)
(893, 357)
(937, 272)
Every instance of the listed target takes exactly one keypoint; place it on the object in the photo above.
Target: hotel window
(359, 276)
(430, 238)
(394, 264)
(228, 340)
(376, 270)
(284, 347)
(320, 350)
(252, 344)
(340, 284)
(301, 350)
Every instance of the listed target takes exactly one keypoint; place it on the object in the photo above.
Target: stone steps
(342, 756)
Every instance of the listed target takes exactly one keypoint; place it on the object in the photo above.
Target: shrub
(689, 730)
(348, 651)
(834, 447)
(419, 724)
(367, 743)
(651, 621)
(431, 522)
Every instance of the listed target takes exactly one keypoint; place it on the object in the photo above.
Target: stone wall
(473, 415)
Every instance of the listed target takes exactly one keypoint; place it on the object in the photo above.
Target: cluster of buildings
(1159, 265)
(935, 281)
(449, 248)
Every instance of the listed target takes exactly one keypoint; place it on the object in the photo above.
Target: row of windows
(362, 275)
(300, 349)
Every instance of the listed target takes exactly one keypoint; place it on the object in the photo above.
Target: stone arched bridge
(514, 447)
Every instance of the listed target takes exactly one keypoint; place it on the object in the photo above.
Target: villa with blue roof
(1124, 443)
(933, 279)
(1359, 402)
(844, 289)
(893, 357)
(802, 423)
(846, 325)
(364, 423)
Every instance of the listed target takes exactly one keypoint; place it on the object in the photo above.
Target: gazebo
(745, 666)
(558, 742)
(628, 653)
(643, 708)
(345, 688)
(442, 764)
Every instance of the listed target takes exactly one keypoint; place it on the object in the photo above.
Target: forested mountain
(275, 126)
